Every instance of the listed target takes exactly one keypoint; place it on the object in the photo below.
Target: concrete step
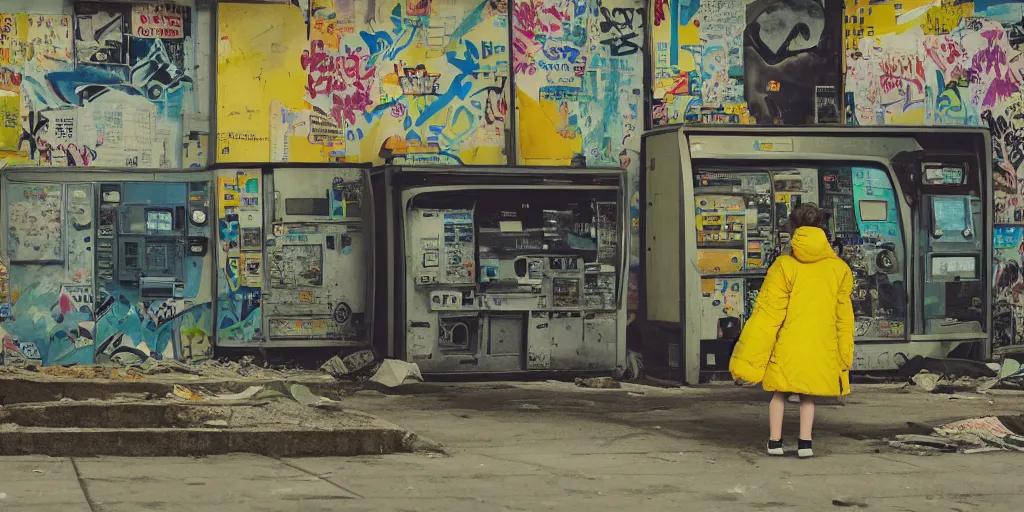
(280, 427)
(34, 390)
(185, 442)
(155, 414)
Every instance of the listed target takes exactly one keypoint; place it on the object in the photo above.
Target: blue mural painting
(106, 85)
(95, 275)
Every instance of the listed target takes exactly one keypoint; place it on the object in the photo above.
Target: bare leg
(776, 410)
(806, 417)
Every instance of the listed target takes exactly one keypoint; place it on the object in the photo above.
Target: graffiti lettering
(561, 52)
(948, 56)
(989, 66)
(899, 69)
(1011, 141)
(618, 23)
(659, 11)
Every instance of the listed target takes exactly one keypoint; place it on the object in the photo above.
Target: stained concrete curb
(186, 442)
(22, 390)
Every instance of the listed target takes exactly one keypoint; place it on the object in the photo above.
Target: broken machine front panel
(507, 279)
(298, 256)
(151, 247)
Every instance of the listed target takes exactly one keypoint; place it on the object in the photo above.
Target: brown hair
(808, 214)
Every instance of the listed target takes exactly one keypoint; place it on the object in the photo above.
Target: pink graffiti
(900, 69)
(78, 156)
(526, 26)
(398, 110)
(558, 15)
(659, 11)
(346, 107)
(990, 66)
(947, 55)
(347, 79)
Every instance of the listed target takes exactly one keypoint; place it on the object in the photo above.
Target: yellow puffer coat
(800, 336)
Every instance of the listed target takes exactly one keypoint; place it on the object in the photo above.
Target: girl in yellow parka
(799, 338)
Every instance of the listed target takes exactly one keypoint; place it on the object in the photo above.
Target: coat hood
(810, 245)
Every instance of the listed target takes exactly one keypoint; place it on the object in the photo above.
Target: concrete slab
(151, 442)
(411, 464)
(54, 489)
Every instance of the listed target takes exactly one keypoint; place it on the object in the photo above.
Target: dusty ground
(544, 446)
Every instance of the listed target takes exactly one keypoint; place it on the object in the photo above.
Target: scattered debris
(848, 503)
(350, 364)
(250, 393)
(186, 393)
(975, 435)
(153, 366)
(304, 396)
(958, 367)
(393, 373)
(75, 372)
(529, 407)
(1011, 374)
(125, 374)
(298, 392)
(597, 383)
(936, 383)
(632, 370)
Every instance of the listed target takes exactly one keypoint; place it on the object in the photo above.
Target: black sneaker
(804, 450)
(775, 447)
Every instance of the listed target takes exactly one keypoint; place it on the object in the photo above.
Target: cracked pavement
(552, 446)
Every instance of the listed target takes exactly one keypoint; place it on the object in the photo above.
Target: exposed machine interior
(294, 269)
(742, 226)
(910, 211)
(514, 279)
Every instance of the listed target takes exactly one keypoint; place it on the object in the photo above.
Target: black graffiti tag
(1012, 142)
(618, 24)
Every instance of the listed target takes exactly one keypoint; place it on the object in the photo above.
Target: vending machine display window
(160, 221)
(742, 227)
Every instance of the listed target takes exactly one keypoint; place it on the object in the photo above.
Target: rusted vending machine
(501, 269)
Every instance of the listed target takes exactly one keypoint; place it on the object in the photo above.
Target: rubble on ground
(393, 373)
(597, 383)
(277, 390)
(127, 366)
(352, 365)
(632, 370)
(940, 376)
(975, 435)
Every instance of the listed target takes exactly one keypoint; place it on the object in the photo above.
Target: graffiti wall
(340, 80)
(97, 84)
(578, 75)
(951, 63)
(431, 82)
(105, 270)
(697, 62)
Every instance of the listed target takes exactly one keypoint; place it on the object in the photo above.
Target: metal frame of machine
(395, 187)
(670, 266)
(314, 311)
